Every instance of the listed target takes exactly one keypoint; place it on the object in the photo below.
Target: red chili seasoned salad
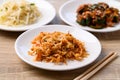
(57, 47)
(97, 15)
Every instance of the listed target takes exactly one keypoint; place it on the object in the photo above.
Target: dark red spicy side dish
(97, 15)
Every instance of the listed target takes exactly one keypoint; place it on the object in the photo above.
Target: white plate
(92, 45)
(48, 13)
(68, 14)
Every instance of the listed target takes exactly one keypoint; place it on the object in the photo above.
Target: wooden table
(13, 68)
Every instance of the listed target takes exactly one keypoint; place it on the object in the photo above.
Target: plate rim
(80, 26)
(28, 62)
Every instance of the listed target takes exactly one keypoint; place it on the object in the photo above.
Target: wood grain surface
(13, 68)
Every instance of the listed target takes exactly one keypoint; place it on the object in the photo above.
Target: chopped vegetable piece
(32, 4)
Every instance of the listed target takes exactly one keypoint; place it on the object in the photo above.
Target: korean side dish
(97, 16)
(57, 47)
(18, 12)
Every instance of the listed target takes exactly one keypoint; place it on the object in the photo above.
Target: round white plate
(47, 11)
(68, 14)
(92, 45)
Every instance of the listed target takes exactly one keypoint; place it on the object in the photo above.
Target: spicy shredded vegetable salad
(57, 47)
